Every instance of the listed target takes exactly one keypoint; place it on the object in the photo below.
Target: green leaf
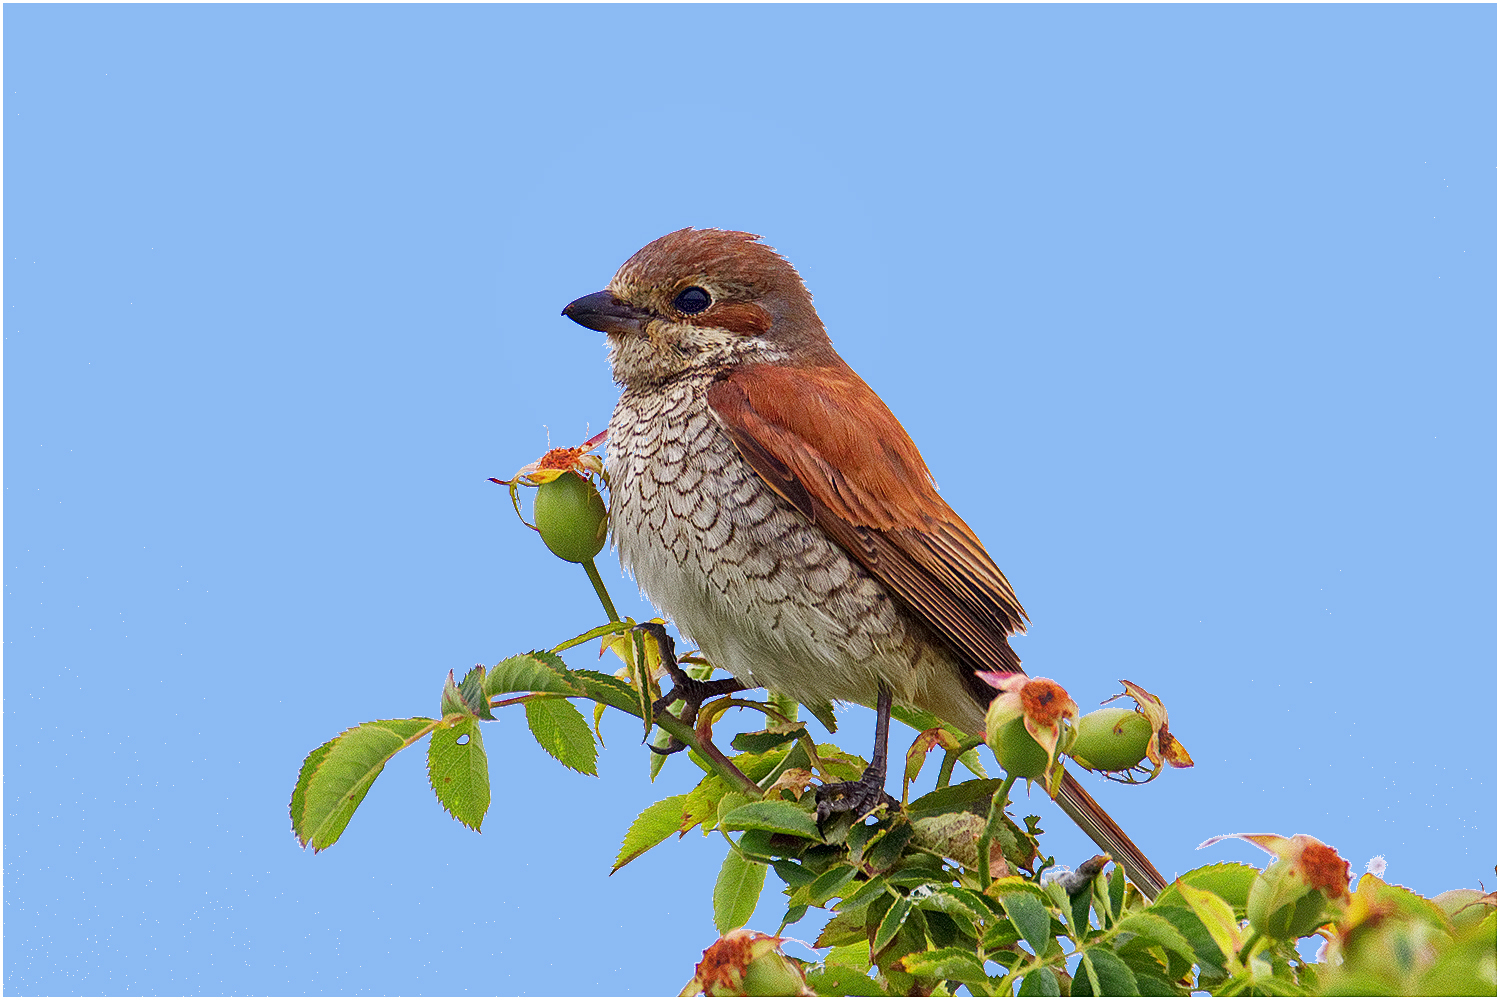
(1215, 915)
(823, 712)
(1040, 983)
(703, 803)
(891, 923)
(887, 851)
(459, 771)
(1102, 973)
(610, 628)
(472, 692)
(1116, 893)
(534, 671)
(1209, 956)
(792, 873)
(921, 720)
(918, 868)
(843, 929)
(336, 776)
(1152, 927)
(1078, 912)
(737, 891)
(1154, 986)
(562, 731)
(863, 896)
(966, 796)
(777, 817)
(946, 963)
(830, 883)
(841, 981)
(656, 823)
(607, 689)
(1030, 917)
(299, 791)
(841, 765)
(970, 759)
(955, 900)
(941, 907)
(757, 844)
(767, 739)
(1229, 881)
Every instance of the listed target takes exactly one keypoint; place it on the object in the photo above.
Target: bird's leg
(692, 693)
(859, 797)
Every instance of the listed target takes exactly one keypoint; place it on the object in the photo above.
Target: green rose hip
(1112, 739)
(571, 518)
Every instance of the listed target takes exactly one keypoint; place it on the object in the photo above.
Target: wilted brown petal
(1324, 869)
(1044, 701)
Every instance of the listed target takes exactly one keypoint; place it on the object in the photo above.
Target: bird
(772, 506)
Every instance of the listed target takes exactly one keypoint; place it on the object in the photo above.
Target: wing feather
(823, 440)
(826, 443)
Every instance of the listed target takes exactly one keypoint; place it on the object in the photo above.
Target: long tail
(1104, 831)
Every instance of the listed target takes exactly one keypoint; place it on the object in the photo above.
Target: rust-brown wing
(824, 441)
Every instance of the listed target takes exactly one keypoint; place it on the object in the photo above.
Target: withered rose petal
(1174, 753)
(1325, 870)
(559, 458)
(724, 961)
(1045, 701)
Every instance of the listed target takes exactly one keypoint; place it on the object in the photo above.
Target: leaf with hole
(459, 771)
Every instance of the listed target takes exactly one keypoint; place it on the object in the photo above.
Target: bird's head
(703, 299)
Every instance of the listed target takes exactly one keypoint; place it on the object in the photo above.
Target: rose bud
(1290, 898)
(1112, 739)
(1025, 723)
(745, 963)
(569, 511)
(571, 517)
(1017, 752)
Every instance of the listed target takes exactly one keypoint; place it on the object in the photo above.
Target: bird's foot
(691, 692)
(857, 797)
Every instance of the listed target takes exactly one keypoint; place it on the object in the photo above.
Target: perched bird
(771, 505)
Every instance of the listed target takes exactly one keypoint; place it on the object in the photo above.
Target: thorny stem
(991, 827)
(711, 754)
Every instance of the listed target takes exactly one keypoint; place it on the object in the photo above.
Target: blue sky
(1191, 310)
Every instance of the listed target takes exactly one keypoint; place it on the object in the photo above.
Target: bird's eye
(692, 300)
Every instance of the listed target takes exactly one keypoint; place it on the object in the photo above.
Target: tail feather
(1104, 831)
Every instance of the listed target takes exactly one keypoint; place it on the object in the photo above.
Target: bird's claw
(856, 797)
(692, 693)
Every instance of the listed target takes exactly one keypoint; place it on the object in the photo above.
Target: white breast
(761, 591)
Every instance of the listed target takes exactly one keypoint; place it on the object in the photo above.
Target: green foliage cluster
(945, 893)
(940, 895)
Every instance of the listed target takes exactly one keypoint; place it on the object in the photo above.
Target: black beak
(605, 313)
